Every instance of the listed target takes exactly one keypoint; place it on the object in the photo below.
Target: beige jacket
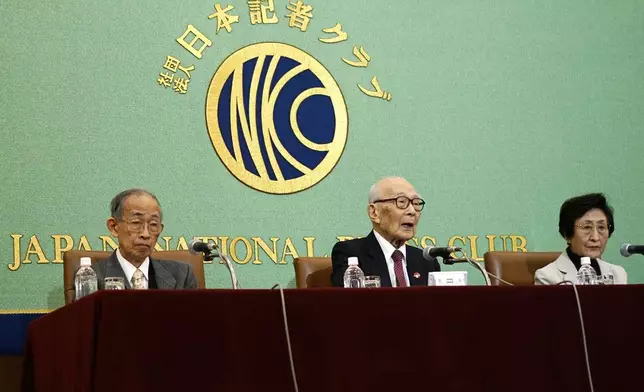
(563, 269)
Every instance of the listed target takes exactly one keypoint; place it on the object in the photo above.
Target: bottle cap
(353, 261)
(86, 261)
(585, 260)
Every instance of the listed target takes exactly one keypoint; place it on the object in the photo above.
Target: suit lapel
(113, 269)
(567, 268)
(415, 269)
(162, 276)
(376, 260)
(605, 268)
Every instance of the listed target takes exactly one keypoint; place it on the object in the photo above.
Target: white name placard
(447, 278)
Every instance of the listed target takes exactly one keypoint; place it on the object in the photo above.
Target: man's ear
(373, 213)
(111, 225)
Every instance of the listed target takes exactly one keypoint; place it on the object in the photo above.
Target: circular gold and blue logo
(276, 118)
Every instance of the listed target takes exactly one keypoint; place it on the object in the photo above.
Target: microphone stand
(477, 265)
(449, 261)
(229, 265)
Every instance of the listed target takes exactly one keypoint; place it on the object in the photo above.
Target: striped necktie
(398, 269)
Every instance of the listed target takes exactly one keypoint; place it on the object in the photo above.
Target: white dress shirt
(129, 269)
(388, 250)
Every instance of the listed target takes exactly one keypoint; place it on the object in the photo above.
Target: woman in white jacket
(585, 222)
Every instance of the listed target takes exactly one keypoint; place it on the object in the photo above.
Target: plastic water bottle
(586, 274)
(85, 280)
(353, 276)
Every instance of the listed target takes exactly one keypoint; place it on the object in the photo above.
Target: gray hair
(116, 205)
(374, 191)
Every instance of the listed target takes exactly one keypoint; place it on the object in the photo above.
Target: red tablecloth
(437, 339)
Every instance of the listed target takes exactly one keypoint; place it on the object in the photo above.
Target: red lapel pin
(416, 275)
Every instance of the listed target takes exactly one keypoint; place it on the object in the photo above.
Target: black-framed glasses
(137, 225)
(402, 202)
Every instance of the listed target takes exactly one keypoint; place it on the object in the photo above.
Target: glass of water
(114, 283)
(606, 279)
(371, 281)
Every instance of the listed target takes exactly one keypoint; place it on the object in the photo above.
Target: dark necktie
(398, 268)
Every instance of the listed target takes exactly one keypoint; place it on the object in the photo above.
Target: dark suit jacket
(167, 274)
(372, 261)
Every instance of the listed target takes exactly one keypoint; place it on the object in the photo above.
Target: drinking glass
(606, 279)
(114, 283)
(371, 281)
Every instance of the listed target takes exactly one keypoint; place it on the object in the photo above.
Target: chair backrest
(312, 272)
(71, 263)
(517, 268)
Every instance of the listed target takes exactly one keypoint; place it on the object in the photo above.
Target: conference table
(428, 338)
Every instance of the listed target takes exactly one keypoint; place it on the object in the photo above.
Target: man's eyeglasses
(587, 228)
(136, 226)
(402, 202)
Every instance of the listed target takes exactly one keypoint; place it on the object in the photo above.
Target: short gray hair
(374, 191)
(116, 205)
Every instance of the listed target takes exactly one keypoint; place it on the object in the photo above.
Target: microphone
(432, 252)
(210, 252)
(628, 250)
(195, 247)
(450, 261)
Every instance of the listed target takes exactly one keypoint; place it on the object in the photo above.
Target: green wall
(501, 110)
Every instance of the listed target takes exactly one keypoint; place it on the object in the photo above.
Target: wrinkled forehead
(141, 207)
(143, 215)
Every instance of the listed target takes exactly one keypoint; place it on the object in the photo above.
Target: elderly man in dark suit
(394, 209)
(136, 221)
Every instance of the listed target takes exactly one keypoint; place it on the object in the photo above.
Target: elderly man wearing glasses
(586, 223)
(394, 209)
(136, 221)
